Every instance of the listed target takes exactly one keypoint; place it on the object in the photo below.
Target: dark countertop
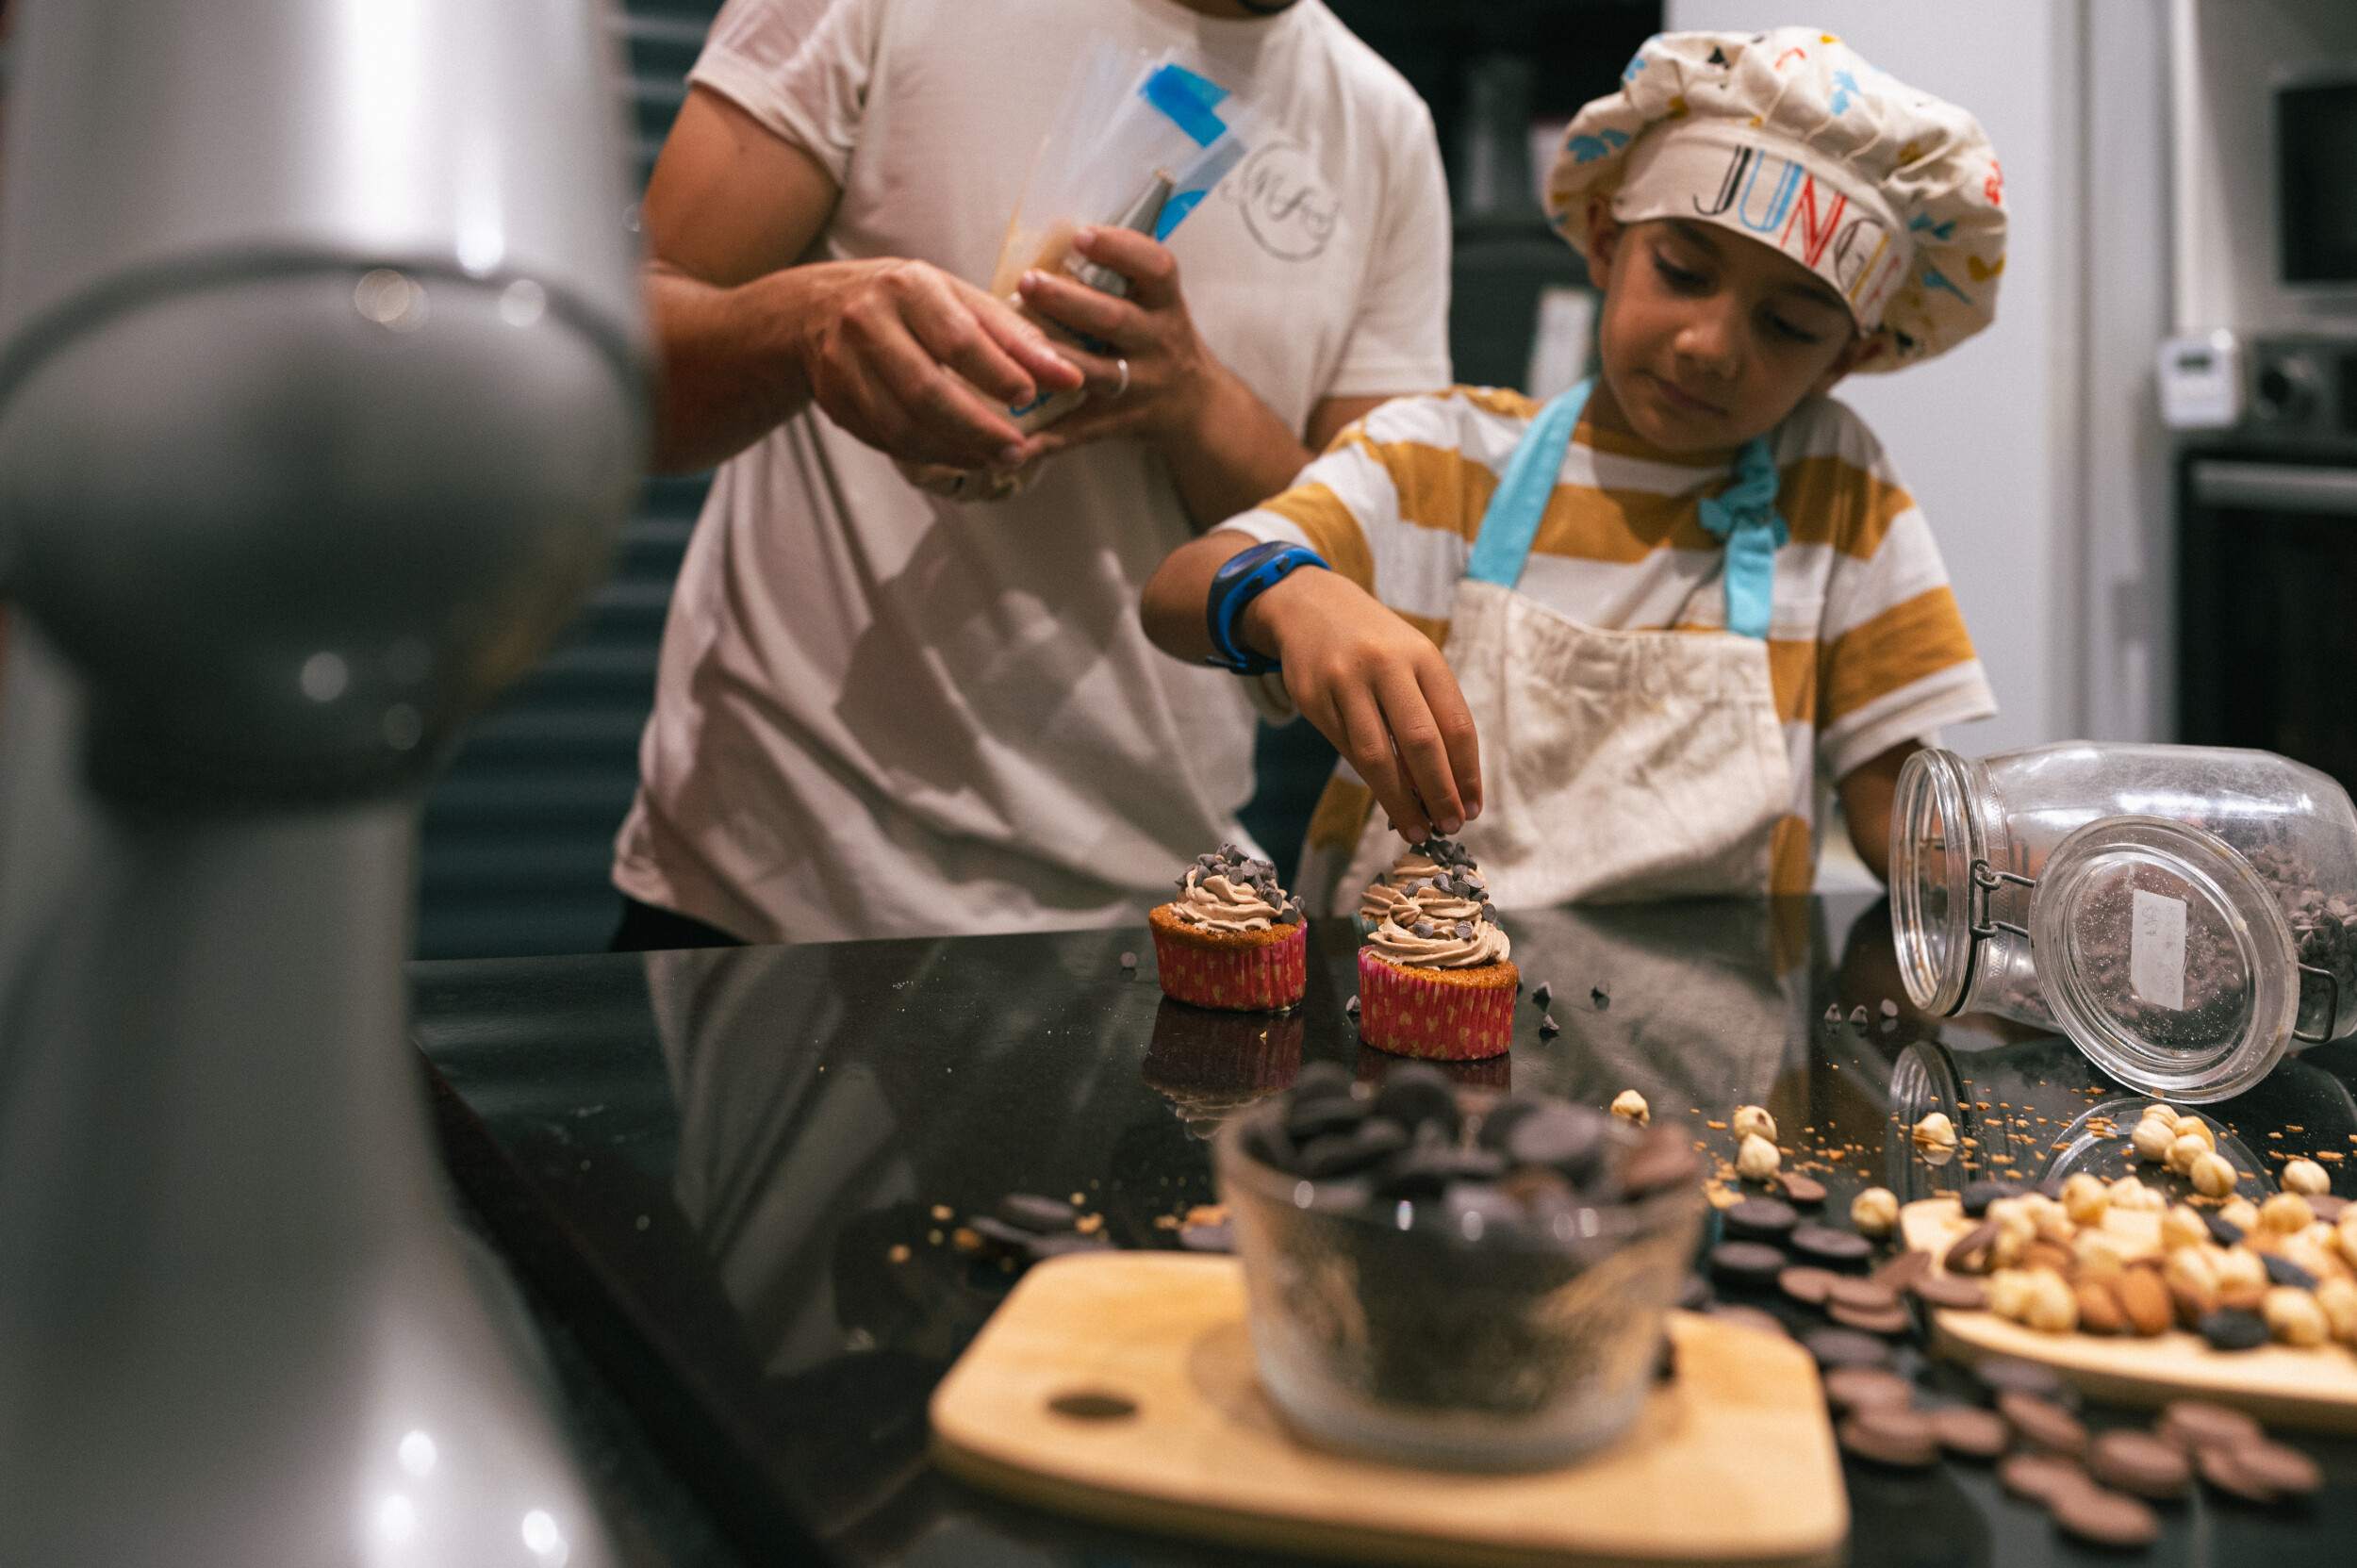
(716, 1173)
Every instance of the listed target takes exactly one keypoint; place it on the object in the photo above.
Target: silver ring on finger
(1123, 364)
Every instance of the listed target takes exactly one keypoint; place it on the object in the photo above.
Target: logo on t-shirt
(1287, 206)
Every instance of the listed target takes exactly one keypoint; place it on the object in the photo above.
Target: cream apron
(1616, 765)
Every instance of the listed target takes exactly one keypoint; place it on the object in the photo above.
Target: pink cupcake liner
(1260, 978)
(1406, 1012)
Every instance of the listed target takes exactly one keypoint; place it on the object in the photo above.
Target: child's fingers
(1421, 751)
(1456, 724)
(1366, 740)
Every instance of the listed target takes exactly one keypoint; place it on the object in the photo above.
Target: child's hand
(1380, 692)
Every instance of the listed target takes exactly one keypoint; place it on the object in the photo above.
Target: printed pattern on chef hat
(1790, 138)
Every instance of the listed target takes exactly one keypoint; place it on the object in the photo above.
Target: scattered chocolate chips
(1823, 1245)
(1902, 1438)
(1867, 1388)
(1970, 1433)
(2103, 1518)
(2043, 1425)
(2140, 1463)
(1746, 1262)
(1599, 998)
(1833, 1347)
(2233, 1328)
(1547, 1025)
(1759, 1220)
(1541, 994)
(1351, 1007)
(1808, 1286)
(1805, 1191)
(1857, 1016)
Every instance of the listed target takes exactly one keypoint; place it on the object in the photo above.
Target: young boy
(1676, 608)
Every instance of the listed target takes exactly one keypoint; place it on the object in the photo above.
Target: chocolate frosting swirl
(1231, 891)
(1432, 910)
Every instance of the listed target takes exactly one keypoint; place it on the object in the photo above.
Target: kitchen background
(2140, 163)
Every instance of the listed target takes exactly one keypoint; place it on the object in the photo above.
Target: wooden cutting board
(2315, 1390)
(1732, 1461)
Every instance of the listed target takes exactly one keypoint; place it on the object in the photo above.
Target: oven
(2266, 566)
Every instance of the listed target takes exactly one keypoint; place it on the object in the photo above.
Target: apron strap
(1511, 523)
(1744, 515)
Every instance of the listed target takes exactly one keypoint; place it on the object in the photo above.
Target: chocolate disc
(1904, 1269)
(2191, 1423)
(1821, 1244)
(1808, 1286)
(1804, 1190)
(1970, 1254)
(1951, 1290)
(2039, 1477)
(2222, 1468)
(1998, 1373)
(1885, 1320)
(1847, 1290)
(1867, 1388)
(2042, 1424)
(1746, 1262)
(1759, 1220)
(2104, 1518)
(1845, 1347)
(2286, 1470)
(1889, 1436)
(2140, 1463)
(1971, 1431)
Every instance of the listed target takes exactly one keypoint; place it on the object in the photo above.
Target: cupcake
(1434, 976)
(1232, 938)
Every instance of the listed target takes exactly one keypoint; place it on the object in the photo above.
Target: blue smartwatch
(1241, 578)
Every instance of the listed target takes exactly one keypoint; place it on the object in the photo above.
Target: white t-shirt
(880, 713)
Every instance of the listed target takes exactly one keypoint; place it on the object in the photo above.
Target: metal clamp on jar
(2186, 914)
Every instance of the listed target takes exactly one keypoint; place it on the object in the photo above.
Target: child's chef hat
(1790, 139)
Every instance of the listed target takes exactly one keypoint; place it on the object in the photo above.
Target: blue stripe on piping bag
(1188, 99)
(1197, 180)
(1175, 213)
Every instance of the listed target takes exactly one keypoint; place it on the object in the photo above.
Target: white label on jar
(2156, 950)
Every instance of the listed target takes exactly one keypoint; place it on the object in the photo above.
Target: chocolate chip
(2191, 1423)
(1746, 1262)
(1036, 1213)
(1822, 1245)
(1749, 1317)
(2139, 1464)
(1423, 927)
(1843, 1346)
(2223, 1231)
(1970, 1433)
(2103, 1518)
(1969, 1255)
(1894, 1437)
(1548, 1026)
(1351, 1007)
(1759, 1220)
(1541, 994)
(1950, 1290)
(2043, 1425)
(1804, 1190)
(2041, 1477)
(2284, 1272)
(1128, 961)
(2233, 1328)
(1599, 998)
(1464, 931)
(1857, 1017)
(1208, 1238)
(1867, 1388)
(1882, 1320)
(1808, 1286)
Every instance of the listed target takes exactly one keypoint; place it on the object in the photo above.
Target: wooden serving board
(1733, 1462)
(2312, 1389)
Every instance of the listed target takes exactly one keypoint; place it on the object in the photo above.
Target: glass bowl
(1419, 1332)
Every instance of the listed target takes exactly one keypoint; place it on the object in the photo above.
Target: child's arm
(1866, 796)
(1377, 687)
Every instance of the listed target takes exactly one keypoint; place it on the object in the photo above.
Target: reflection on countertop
(737, 1173)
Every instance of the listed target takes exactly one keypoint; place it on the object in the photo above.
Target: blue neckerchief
(1744, 517)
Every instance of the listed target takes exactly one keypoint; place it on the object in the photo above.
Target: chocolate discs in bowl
(1467, 1298)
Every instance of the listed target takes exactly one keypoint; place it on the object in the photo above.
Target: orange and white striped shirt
(1865, 644)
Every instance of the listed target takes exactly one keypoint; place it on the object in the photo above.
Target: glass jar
(2204, 922)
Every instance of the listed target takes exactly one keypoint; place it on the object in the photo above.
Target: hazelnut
(2191, 1274)
(2009, 1291)
(2085, 1198)
(2151, 1139)
(2129, 1196)
(1749, 1119)
(2184, 1152)
(2240, 1212)
(2182, 1226)
(2309, 1253)
(2212, 1176)
(2053, 1307)
(1936, 1138)
(2306, 1175)
(2161, 1111)
(2294, 1317)
(1756, 1158)
(2194, 1126)
(2338, 1300)
(2287, 1212)
(1630, 1106)
(2050, 1219)
(1875, 1211)
(2240, 1268)
(2011, 1243)
(2345, 1237)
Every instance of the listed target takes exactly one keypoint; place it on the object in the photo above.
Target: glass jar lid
(1933, 843)
(2164, 957)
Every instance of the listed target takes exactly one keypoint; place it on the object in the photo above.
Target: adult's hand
(907, 357)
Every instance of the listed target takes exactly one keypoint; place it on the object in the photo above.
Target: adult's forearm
(730, 373)
(1233, 454)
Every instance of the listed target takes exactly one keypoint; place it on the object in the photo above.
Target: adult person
(880, 712)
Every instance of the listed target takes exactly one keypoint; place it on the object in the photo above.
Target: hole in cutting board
(1093, 1403)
